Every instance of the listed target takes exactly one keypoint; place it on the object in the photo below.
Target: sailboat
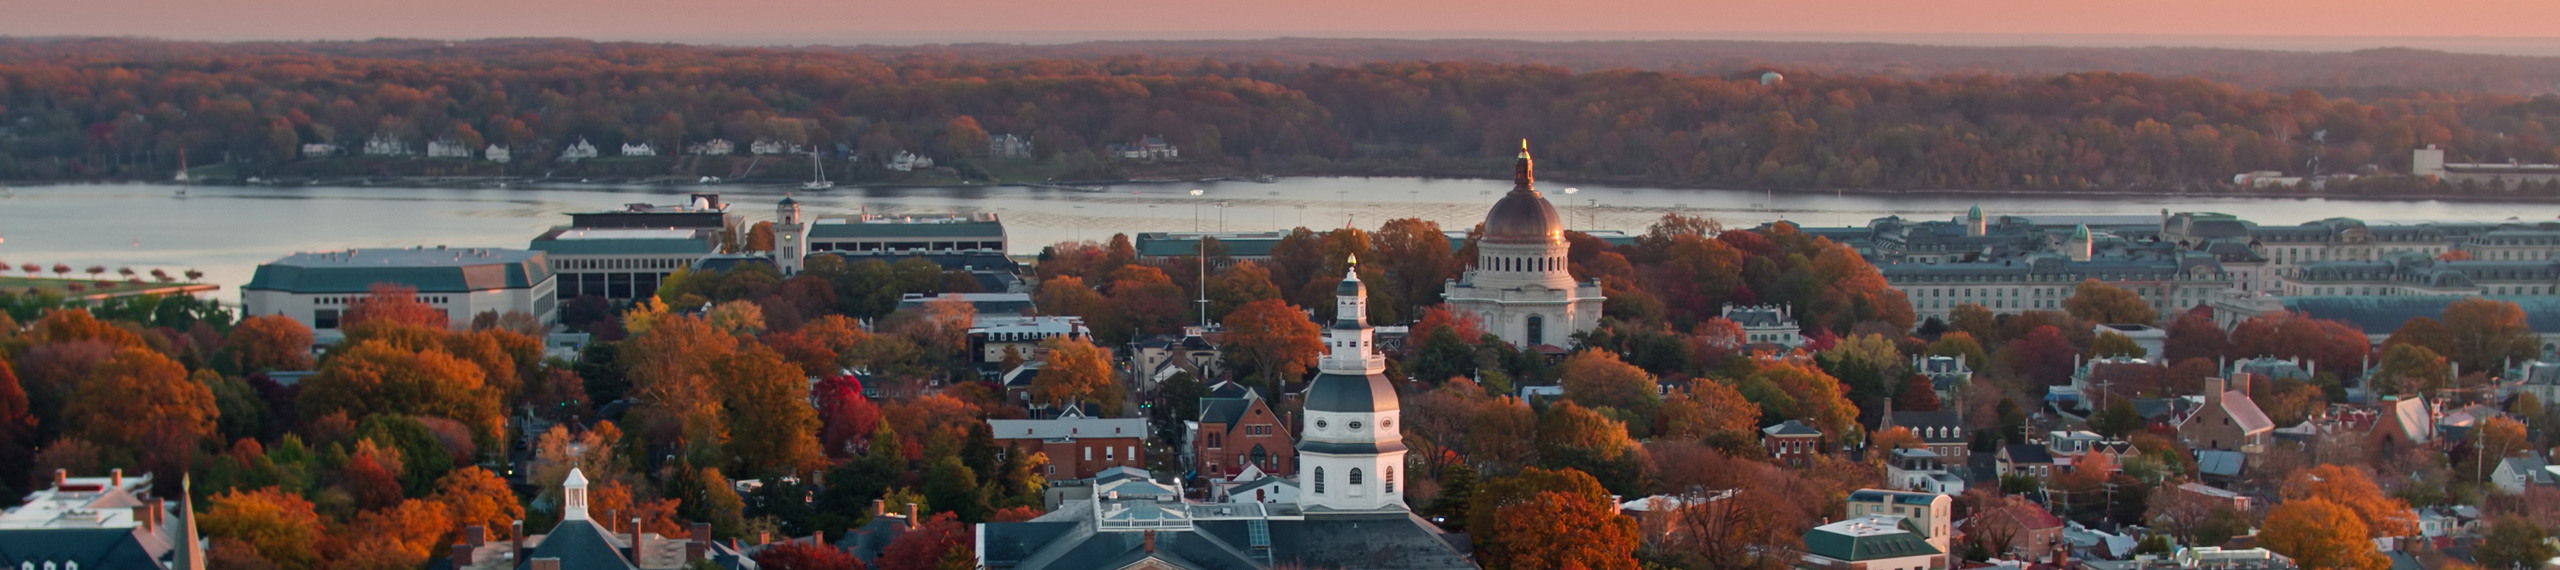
(817, 163)
(182, 173)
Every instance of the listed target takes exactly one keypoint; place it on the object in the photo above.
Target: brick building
(1078, 446)
(2229, 419)
(1792, 443)
(1237, 428)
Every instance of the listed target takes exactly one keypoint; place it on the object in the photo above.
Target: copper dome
(1523, 216)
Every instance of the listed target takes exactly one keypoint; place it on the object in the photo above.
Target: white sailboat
(817, 163)
(182, 173)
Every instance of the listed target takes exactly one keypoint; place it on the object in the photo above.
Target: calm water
(227, 232)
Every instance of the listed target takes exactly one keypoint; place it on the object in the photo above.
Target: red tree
(804, 556)
(941, 538)
(847, 418)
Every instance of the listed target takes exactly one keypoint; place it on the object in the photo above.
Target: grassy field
(88, 287)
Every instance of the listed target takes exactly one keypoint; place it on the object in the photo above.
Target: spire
(1521, 180)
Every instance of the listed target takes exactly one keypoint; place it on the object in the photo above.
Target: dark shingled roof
(91, 547)
(1383, 540)
(578, 544)
(1332, 392)
(1790, 427)
(867, 541)
(1223, 410)
(2028, 453)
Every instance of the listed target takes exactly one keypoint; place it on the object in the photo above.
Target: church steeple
(1350, 341)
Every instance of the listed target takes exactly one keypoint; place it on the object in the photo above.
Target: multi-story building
(1916, 469)
(620, 264)
(1942, 431)
(587, 540)
(639, 149)
(1875, 542)
(100, 522)
(1008, 146)
(448, 148)
(1791, 443)
(979, 232)
(315, 289)
(1766, 325)
(2040, 282)
(1933, 513)
(1078, 447)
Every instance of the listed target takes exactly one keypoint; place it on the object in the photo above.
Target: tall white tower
(790, 236)
(1350, 453)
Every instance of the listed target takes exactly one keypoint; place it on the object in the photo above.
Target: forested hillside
(125, 108)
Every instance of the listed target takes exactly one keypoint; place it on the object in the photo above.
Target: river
(228, 231)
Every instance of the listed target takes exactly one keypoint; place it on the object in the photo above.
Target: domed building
(1520, 286)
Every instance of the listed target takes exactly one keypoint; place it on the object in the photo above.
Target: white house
(1923, 471)
(384, 144)
(1766, 324)
(642, 149)
(498, 154)
(2514, 474)
(770, 146)
(317, 150)
(905, 161)
(447, 148)
(1252, 485)
(577, 152)
(713, 147)
(1008, 146)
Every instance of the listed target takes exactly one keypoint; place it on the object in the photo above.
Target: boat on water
(818, 164)
(182, 173)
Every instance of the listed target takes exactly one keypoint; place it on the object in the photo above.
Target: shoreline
(1101, 186)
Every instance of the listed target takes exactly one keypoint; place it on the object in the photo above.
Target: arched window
(1355, 476)
(1391, 479)
(1319, 480)
(1537, 330)
(1262, 458)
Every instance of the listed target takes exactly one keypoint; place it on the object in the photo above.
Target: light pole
(1222, 216)
(1195, 210)
(1569, 191)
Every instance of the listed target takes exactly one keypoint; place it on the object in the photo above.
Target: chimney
(159, 512)
(461, 555)
(546, 564)
(700, 546)
(700, 531)
(879, 507)
(116, 476)
(1150, 541)
(2213, 388)
(635, 541)
(515, 538)
(60, 476)
(2240, 383)
(477, 535)
(142, 517)
(912, 521)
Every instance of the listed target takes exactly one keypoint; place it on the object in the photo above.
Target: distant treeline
(119, 108)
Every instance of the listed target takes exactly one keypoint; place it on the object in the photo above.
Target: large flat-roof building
(907, 233)
(700, 211)
(621, 263)
(315, 288)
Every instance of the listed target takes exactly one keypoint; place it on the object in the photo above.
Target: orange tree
(1550, 519)
(1273, 339)
(2321, 534)
(2349, 488)
(1075, 371)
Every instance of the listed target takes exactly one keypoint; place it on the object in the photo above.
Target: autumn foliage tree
(1074, 372)
(2097, 302)
(387, 303)
(279, 527)
(269, 342)
(1273, 339)
(2318, 533)
(1597, 378)
(140, 405)
(2349, 488)
(1550, 519)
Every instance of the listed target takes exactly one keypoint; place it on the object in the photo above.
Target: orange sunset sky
(2310, 24)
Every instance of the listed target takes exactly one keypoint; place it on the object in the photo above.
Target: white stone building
(1520, 286)
(497, 153)
(642, 149)
(713, 147)
(316, 288)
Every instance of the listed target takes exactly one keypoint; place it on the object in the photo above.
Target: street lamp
(1569, 191)
(1195, 210)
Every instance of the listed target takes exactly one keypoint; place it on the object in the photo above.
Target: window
(324, 319)
(1391, 479)
(1319, 480)
(1537, 330)
(1355, 476)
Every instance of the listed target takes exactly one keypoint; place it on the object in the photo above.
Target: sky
(2496, 26)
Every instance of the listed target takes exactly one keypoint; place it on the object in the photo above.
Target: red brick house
(1792, 443)
(1237, 430)
(1078, 446)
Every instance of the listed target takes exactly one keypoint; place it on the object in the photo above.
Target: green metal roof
(1829, 541)
(428, 270)
(972, 229)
